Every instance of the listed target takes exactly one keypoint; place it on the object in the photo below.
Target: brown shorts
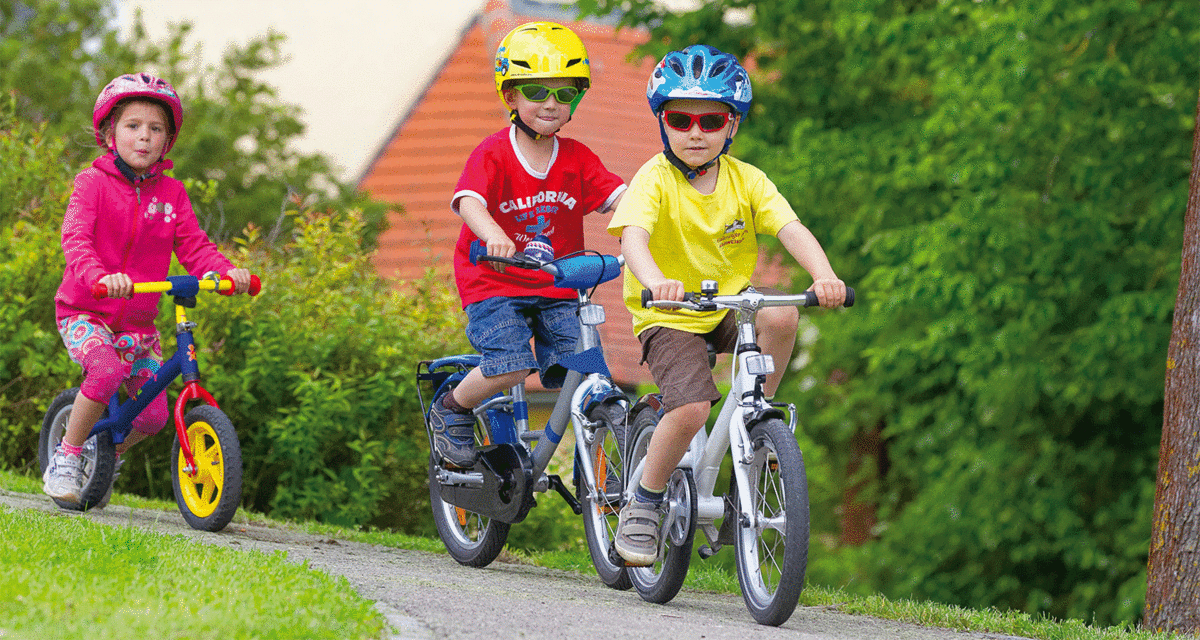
(679, 359)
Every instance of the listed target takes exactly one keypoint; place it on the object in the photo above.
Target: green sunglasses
(539, 93)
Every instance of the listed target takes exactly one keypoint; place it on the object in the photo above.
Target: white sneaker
(63, 479)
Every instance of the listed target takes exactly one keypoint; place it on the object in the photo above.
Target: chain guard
(507, 490)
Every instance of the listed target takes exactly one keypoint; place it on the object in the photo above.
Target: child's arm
(807, 251)
(635, 246)
(481, 223)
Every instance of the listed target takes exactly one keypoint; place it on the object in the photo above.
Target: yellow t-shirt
(696, 237)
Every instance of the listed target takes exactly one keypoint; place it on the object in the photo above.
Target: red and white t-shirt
(526, 203)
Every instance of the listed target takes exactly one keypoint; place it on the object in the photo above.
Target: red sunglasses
(683, 121)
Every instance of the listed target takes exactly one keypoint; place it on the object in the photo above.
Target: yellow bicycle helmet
(542, 50)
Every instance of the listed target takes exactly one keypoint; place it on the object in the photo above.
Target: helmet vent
(573, 61)
(522, 63)
(718, 69)
(697, 66)
(677, 68)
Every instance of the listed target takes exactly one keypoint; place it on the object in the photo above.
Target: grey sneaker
(63, 478)
(453, 435)
(637, 533)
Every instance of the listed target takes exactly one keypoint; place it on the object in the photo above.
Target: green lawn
(70, 578)
(153, 578)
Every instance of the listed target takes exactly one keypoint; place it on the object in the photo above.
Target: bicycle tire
(661, 582)
(472, 539)
(99, 454)
(601, 513)
(772, 558)
(209, 499)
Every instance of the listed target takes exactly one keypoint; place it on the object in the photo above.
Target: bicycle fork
(192, 389)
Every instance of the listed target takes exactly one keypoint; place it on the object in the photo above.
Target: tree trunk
(1173, 573)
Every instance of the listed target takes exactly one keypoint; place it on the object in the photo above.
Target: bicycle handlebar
(582, 271)
(704, 302)
(185, 286)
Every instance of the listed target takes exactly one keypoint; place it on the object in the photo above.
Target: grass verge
(66, 577)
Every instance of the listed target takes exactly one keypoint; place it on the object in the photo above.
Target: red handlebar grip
(255, 285)
(99, 291)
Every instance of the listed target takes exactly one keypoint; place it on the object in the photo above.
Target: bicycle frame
(120, 415)
(744, 404)
(586, 384)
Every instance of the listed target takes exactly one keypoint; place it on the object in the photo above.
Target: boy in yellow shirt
(693, 213)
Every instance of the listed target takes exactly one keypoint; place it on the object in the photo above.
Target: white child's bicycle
(764, 514)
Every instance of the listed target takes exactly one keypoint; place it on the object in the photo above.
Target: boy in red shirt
(519, 183)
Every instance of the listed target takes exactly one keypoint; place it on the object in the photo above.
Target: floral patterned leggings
(110, 360)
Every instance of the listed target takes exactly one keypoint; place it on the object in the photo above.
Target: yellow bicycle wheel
(209, 497)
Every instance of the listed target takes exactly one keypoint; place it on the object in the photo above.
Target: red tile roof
(420, 166)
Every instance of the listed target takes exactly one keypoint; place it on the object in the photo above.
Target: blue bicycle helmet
(699, 72)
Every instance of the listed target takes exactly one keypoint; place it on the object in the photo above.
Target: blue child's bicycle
(206, 456)
(473, 509)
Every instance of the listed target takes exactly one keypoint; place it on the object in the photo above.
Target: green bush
(34, 186)
(317, 373)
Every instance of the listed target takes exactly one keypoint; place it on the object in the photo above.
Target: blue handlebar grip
(477, 249)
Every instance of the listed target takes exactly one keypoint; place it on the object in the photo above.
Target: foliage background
(317, 373)
(1004, 182)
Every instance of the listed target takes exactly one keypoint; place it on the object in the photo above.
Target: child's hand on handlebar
(500, 245)
(119, 285)
(831, 292)
(241, 280)
(671, 290)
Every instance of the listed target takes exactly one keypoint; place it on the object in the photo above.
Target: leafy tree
(1001, 181)
(56, 56)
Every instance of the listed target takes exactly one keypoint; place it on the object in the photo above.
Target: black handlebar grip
(849, 297)
(647, 296)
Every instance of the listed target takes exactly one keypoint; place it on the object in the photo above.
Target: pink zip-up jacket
(113, 225)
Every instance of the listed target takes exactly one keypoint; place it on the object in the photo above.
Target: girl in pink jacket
(123, 221)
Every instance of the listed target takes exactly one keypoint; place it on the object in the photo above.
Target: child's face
(695, 146)
(140, 134)
(545, 117)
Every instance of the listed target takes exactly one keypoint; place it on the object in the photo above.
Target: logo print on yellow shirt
(734, 233)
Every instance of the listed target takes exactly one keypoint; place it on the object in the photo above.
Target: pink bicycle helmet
(138, 85)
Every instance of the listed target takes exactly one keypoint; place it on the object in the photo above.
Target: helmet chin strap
(516, 119)
(689, 172)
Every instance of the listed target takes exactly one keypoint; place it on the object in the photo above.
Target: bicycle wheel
(209, 498)
(660, 582)
(602, 510)
(773, 556)
(472, 539)
(99, 453)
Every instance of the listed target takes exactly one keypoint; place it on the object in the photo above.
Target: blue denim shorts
(500, 330)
